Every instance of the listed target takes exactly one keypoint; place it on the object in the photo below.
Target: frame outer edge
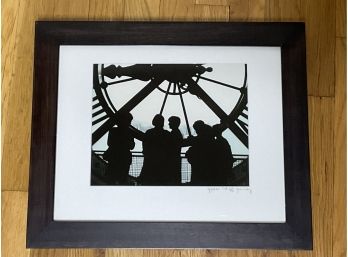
(44, 232)
(296, 160)
(43, 130)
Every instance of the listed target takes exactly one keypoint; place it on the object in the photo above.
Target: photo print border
(210, 98)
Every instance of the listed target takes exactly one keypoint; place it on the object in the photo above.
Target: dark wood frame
(44, 232)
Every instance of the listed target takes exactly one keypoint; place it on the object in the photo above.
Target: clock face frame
(167, 79)
(172, 81)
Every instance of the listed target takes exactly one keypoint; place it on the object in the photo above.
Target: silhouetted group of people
(162, 149)
(210, 154)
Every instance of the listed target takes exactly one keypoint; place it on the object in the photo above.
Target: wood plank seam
(323, 96)
(14, 190)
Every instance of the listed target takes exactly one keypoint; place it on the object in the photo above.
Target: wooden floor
(326, 68)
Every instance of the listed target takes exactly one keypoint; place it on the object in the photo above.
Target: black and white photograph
(170, 124)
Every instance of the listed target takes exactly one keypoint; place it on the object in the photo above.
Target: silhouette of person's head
(199, 127)
(125, 119)
(208, 131)
(158, 121)
(217, 129)
(174, 122)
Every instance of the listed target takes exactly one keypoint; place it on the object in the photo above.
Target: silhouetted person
(224, 158)
(174, 152)
(119, 156)
(155, 153)
(201, 155)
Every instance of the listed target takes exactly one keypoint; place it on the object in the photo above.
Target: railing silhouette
(138, 159)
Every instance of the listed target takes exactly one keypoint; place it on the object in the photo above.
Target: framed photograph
(169, 135)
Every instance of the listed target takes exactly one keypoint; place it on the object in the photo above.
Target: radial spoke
(185, 114)
(242, 124)
(99, 120)
(219, 83)
(239, 133)
(94, 106)
(195, 89)
(165, 98)
(244, 115)
(105, 127)
(120, 81)
(94, 114)
(143, 93)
